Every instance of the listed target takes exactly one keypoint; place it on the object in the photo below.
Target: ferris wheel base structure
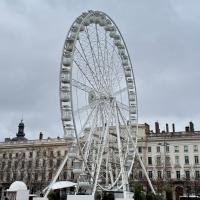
(91, 197)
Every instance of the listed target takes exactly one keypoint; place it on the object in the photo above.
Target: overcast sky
(163, 38)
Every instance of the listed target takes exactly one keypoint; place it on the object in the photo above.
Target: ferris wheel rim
(73, 118)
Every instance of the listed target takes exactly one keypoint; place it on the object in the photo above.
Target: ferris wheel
(98, 102)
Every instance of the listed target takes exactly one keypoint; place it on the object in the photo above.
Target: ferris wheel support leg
(124, 177)
(136, 151)
(101, 152)
(57, 175)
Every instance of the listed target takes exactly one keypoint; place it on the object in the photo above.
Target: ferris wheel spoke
(111, 174)
(92, 85)
(84, 58)
(110, 69)
(82, 109)
(81, 86)
(87, 146)
(123, 106)
(122, 90)
(102, 150)
(86, 122)
(124, 177)
(100, 51)
(95, 62)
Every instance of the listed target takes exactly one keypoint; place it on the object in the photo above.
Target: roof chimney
(41, 136)
(167, 128)
(191, 127)
(157, 127)
(173, 128)
(147, 128)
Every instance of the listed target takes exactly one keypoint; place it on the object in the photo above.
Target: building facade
(171, 158)
(33, 161)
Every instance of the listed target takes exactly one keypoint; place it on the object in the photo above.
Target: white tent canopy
(61, 184)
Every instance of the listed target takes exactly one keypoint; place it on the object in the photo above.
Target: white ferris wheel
(98, 103)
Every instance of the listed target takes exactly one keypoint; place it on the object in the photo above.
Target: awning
(62, 184)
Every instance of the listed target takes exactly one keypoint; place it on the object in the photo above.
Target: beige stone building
(170, 157)
(32, 161)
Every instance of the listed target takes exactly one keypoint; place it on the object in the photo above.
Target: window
(168, 174)
(72, 175)
(187, 175)
(4, 155)
(58, 163)
(195, 148)
(29, 164)
(176, 149)
(14, 176)
(44, 163)
(150, 160)
(23, 163)
(158, 160)
(16, 164)
(10, 155)
(51, 163)
(37, 163)
(186, 159)
(16, 155)
(178, 175)
(140, 174)
(38, 153)
(30, 154)
(158, 149)
(149, 149)
(23, 155)
(8, 177)
(50, 175)
(65, 175)
(176, 160)
(150, 174)
(3, 165)
(197, 174)
(22, 176)
(167, 160)
(29, 176)
(140, 149)
(43, 176)
(185, 148)
(9, 164)
(196, 159)
(44, 153)
(51, 153)
(167, 148)
(1, 177)
(159, 174)
(36, 176)
(58, 153)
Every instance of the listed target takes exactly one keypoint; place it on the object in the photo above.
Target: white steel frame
(97, 84)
